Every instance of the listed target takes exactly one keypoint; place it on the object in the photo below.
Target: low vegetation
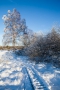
(47, 48)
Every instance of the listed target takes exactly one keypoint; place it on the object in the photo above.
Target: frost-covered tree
(14, 27)
(29, 37)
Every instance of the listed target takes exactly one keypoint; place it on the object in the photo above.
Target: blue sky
(40, 15)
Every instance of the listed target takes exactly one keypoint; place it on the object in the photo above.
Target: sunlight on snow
(11, 72)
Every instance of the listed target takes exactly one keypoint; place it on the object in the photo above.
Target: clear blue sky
(40, 15)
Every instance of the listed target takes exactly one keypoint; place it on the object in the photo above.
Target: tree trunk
(13, 43)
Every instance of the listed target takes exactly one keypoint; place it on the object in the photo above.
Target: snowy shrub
(53, 40)
(46, 47)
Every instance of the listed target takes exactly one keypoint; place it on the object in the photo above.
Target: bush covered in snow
(47, 47)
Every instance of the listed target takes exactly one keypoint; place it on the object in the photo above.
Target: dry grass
(11, 47)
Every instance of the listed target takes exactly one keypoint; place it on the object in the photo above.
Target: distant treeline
(11, 47)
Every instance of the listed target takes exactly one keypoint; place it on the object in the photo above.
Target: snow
(51, 75)
(18, 73)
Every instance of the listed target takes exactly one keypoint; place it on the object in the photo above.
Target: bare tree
(14, 27)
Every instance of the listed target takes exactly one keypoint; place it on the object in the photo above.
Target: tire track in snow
(37, 81)
(27, 84)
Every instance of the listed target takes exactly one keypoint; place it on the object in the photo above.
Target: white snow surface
(19, 73)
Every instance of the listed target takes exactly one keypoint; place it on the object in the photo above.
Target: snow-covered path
(18, 73)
